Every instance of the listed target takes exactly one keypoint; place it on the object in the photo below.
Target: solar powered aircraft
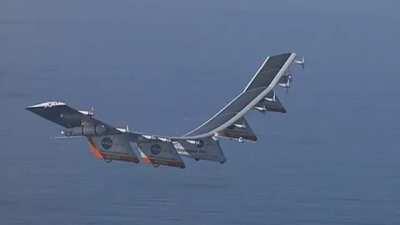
(109, 143)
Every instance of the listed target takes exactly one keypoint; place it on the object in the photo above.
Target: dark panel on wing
(268, 71)
(256, 87)
(58, 113)
(68, 117)
(239, 130)
(227, 113)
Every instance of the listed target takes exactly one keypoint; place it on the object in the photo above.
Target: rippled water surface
(164, 67)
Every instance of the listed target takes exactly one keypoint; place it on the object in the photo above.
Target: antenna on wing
(91, 111)
(124, 130)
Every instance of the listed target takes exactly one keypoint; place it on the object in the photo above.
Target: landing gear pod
(112, 147)
(160, 152)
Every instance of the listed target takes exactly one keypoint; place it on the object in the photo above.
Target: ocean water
(164, 67)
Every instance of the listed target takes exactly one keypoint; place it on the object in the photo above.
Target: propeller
(300, 62)
(288, 81)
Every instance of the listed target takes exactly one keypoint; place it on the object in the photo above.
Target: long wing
(109, 143)
(259, 95)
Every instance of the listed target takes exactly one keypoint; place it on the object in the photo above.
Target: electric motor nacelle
(85, 130)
